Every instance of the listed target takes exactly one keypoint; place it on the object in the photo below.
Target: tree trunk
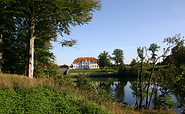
(140, 85)
(136, 104)
(32, 37)
(153, 91)
(148, 88)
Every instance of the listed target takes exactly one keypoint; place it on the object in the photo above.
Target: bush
(84, 83)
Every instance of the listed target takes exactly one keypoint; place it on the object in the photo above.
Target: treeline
(105, 59)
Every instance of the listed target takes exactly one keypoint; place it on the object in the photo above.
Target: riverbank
(56, 95)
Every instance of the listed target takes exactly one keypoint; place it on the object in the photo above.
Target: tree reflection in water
(162, 97)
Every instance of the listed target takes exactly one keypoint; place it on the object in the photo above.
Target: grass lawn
(92, 70)
(60, 73)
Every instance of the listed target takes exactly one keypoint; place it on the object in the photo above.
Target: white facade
(85, 63)
(63, 69)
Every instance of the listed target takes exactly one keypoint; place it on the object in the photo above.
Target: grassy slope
(19, 94)
(23, 95)
(44, 100)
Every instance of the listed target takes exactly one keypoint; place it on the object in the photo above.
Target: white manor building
(85, 63)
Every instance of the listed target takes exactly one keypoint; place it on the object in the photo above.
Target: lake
(123, 91)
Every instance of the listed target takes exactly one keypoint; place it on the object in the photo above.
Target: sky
(125, 25)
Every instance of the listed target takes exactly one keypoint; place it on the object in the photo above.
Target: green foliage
(133, 71)
(41, 21)
(83, 82)
(182, 70)
(94, 92)
(104, 60)
(49, 70)
(176, 44)
(122, 69)
(140, 52)
(68, 43)
(163, 100)
(172, 77)
(174, 73)
(14, 48)
(43, 100)
(153, 48)
(15, 56)
(176, 40)
(178, 54)
(60, 73)
(118, 57)
(133, 62)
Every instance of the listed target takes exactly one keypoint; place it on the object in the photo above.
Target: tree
(178, 54)
(3, 21)
(104, 59)
(49, 17)
(7, 27)
(133, 62)
(176, 44)
(15, 45)
(153, 48)
(154, 58)
(168, 60)
(151, 75)
(118, 57)
(139, 91)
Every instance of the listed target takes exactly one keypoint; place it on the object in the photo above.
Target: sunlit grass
(18, 81)
(91, 70)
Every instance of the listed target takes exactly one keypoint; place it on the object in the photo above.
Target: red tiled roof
(80, 59)
(63, 66)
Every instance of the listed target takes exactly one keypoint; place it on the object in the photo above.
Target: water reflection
(125, 91)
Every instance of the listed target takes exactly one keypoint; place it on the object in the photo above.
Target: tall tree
(179, 55)
(139, 91)
(176, 44)
(133, 62)
(104, 59)
(118, 57)
(49, 17)
(6, 26)
(154, 58)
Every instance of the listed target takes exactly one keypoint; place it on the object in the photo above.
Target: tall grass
(17, 81)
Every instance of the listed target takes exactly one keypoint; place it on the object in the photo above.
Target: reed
(9, 81)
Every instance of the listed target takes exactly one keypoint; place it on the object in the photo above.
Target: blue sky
(126, 25)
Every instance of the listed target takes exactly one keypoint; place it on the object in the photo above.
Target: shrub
(44, 100)
(84, 83)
